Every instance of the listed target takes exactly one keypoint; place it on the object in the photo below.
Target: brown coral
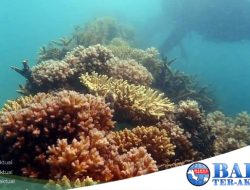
(51, 71)
(29, 129)
(53, 75)
(131, 71)
(133, 103)
(93, 58)
(102, 31)
(231, 133)
(191, 118)
(86, 157)
(184, 149)
(135, 162)
(149, 58)
(156, 141)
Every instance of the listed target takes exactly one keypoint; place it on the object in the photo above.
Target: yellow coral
(138, 102)
(22, 102)
(67, 183)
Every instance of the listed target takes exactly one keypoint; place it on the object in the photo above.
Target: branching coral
(184, 149)
(65, 183)
(191, 118)
(156, 141)
(133, 103)
(28, 129)
(99, 31)
(93, 58)
(51, 72)
(56, 50)
(63, 135)
(102, 31)
(84, 158)
(133, 163)
(53, 75)
(181, 86)
(149, 58)
(131, 71)
(230, 133)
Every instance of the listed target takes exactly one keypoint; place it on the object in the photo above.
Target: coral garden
(68, 125)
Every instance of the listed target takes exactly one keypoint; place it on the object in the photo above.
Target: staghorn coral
(149, 58)
(191, 118)
(131, 71)
(181, 86)
(155, 140)
(28, 129)
(102, 31)
(132, 103)
(230, 133)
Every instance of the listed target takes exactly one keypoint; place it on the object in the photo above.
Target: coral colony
(68, 127)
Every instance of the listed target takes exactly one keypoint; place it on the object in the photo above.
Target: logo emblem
(198, 174)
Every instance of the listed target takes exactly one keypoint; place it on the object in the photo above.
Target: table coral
(155, 140)
(134, 103)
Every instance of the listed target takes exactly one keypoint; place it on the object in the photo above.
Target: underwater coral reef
(68, 126)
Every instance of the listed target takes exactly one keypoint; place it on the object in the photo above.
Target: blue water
(28, 24)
